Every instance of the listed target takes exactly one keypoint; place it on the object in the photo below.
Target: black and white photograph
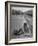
(20, 22)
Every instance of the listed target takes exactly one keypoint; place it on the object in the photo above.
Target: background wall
(2, 23)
